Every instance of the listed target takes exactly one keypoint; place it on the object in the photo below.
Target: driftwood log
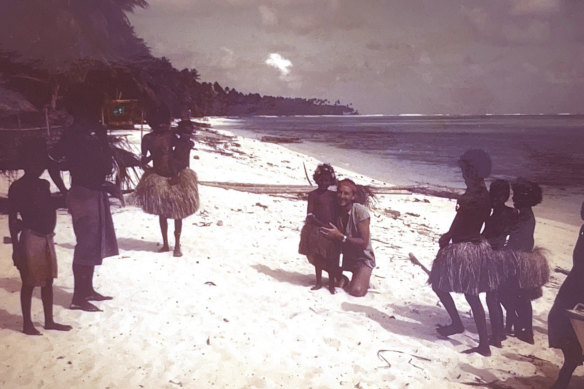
(298, 190)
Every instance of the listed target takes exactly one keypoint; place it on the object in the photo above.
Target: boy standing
(34, 250)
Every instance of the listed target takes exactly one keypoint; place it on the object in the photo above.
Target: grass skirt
(469, 268)
(313, 243)
(531, 267)
(530, 271)
(156, 196)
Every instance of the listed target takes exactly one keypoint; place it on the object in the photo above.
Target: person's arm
(55, 174)
(360, 242)
(14, 226)
(145, 146)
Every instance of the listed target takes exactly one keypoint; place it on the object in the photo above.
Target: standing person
(353, 232)
(33, 252)
(464, 262)
(531, 267)
(165, 190)
(321, 251)
(88, 156)
(560, 332)
(497, 229)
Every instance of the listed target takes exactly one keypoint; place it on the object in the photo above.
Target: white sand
(236, 311)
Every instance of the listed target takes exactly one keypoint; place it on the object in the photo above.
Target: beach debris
(208, 341)
(415, 261)
(210, 283)
(379, 353)
(412, 214)
(306, 174)
(480, 383)
(261, 205)
(392, 213)
(380, 356)
(219, 223)
(176, 383)
(280, 139)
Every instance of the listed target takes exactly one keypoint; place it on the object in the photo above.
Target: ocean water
(406, 150)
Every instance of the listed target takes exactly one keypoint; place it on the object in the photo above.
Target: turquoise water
(405, 150)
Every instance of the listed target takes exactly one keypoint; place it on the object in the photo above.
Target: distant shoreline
(551, 208)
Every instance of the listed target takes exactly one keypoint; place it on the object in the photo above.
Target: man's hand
(332, 232)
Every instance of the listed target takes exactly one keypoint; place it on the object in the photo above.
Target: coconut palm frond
(126, 162)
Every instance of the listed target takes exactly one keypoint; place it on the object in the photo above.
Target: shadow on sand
(11, 321)
(422, 326)
(293, 278)
(544, 376)
(61, 297)
(132, 244)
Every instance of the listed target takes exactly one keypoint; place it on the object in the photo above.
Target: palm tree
(56, 42)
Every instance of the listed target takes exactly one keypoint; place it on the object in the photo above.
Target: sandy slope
(237, 312)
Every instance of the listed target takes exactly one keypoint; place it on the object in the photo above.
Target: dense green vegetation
(46, 46)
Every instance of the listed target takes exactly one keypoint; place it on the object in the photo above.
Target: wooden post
(47, 123)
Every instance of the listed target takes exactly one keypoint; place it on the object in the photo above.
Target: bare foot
(84, 306)
(98, 297)
(164, 248)
(332, 289)
(57, 326)
(485, 351)
(525, 336)
(317, 286)
(495, 342)
(177, 252)
(30, 330)
(450, 329)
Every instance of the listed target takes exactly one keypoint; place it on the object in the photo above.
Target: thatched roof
(12, 102)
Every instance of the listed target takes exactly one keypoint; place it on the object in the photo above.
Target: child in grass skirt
(530, 268)
(497, 229)
(322, 252)
(465, 262)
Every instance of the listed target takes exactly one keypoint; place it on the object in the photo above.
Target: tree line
(48, 46)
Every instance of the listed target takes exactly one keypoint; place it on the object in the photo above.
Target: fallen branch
(415, 261)
(286, 189)
(403, 352)
(306, 174)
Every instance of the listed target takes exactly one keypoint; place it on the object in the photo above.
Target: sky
(382, 56)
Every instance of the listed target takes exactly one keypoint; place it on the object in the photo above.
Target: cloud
(534, 7)
(282, 64)
(269, 18)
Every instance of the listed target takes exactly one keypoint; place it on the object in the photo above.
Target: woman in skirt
(165, 190)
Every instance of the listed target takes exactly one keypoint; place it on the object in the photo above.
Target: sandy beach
(236, 311)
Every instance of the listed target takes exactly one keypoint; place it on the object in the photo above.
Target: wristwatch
(344, 238)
